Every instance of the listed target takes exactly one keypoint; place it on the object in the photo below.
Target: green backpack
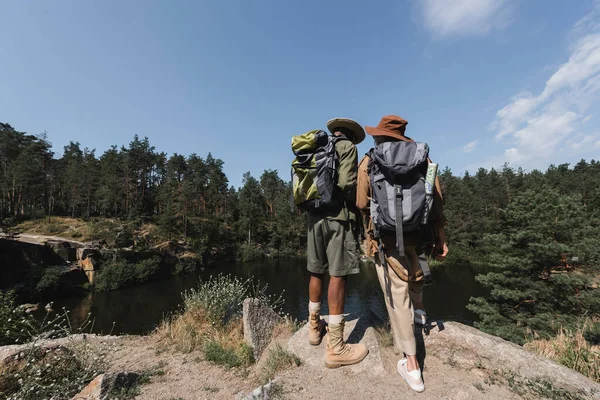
(315, 171)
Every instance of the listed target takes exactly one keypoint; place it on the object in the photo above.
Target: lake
(138, 309)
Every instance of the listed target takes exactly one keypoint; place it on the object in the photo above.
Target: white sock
(314, 307)
(335, 319)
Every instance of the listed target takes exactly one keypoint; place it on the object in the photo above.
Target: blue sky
(482, 81)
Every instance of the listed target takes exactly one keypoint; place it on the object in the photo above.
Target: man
(333, 248)
(404, 277)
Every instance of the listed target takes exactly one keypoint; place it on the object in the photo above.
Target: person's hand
(441, 251)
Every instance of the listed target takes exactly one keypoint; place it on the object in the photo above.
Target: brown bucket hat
(353, 126)
(390, 125)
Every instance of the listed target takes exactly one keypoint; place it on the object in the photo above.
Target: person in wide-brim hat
(392, 126)
(345, 126)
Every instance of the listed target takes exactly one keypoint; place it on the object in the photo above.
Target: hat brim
(374, 131)
(353, 126)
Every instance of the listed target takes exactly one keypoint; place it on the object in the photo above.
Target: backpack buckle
(398, 191)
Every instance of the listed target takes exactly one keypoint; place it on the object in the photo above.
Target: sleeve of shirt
(437, 212)
(347, 171)
(363, 186)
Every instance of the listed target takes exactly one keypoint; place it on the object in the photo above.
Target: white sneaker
(413, 378)
(420, 317)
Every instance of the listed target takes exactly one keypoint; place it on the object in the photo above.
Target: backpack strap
(386, 273)
(399, 219)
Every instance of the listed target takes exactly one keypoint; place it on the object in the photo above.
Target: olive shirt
(363, 202)
(347, 174)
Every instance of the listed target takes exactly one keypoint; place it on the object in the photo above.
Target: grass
(384, 335)
(211, 322)
(53, 371)
(278, 359)
(227, 355)
(528, 388)
(571, 349)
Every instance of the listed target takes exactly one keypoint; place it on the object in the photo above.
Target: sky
(483, 82)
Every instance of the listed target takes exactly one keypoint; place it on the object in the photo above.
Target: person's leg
(399, 305)
(336, 295)
(317, 265)
(416, 285)
(394, 284)
(342, 253)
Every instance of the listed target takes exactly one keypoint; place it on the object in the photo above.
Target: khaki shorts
(332, 247)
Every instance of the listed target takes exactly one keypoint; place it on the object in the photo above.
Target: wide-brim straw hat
(352, 126)
(390, 125)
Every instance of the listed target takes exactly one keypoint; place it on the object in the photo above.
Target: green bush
(124, 238)
(220, 297)
(121, 273)
(13, 321)
(229, 357)
(249, 252)
(54, 372)
(48, 284)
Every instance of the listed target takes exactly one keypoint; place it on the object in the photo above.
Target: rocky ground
(460, 363)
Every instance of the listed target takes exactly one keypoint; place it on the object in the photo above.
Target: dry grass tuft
(220, 344)
(572, 350)
(279, 359)
(384, 335)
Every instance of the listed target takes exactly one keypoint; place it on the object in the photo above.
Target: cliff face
(18, 258)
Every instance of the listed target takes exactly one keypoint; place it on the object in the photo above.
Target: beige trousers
(402, 286)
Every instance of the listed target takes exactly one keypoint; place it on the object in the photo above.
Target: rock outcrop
(357, 330)
(259, 321)
(105, 386)
(469, 347)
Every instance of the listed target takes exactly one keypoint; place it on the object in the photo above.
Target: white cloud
(469, 147)
(465, 17)
(535, 127)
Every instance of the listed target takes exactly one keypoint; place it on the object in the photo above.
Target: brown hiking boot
(316, 328)
(339, 353)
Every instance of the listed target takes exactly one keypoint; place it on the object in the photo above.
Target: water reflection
(139, 309)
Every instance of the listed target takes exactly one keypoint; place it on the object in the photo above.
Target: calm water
(139, 309)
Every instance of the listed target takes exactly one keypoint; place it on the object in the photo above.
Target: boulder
(105, 385)
(263, 392)
(469, 347)
(358, 329)
(85, 252)
(259, 321)
(63, 249)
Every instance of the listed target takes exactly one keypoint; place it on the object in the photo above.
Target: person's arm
(363, 185)
(347, 171)
(438, 220)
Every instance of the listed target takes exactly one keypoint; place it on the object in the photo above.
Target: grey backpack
(397, 172)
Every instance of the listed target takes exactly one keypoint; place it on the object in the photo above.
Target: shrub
(49, 281)
(119, 274)
(572, 350)
(220, 298)
(248, 252)
(210, 320)
(278, 359)
(12, 320)
(228, 356)
(52, 371)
